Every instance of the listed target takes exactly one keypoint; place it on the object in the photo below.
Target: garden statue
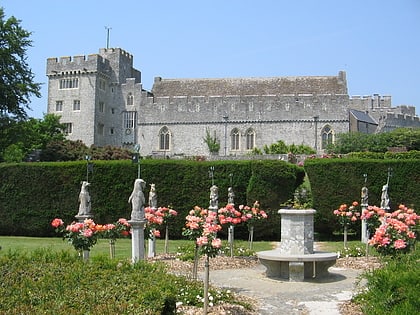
(385, 198)
(364, 196)
(214, 197)
(153, 197)
(231, 196)
(364, 203)
(84, 199)
(137, 200)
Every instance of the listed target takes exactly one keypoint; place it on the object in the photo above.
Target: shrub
(49, 282)
(392, 289)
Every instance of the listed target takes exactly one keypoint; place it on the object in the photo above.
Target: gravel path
(246, 277)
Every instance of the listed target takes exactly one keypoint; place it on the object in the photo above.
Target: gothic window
(69, 83)
(76, 105)
(129, 120)
(250, 139)
(130, 99)
(59, 106)
(327, 135)
(234, 139)
(164, 138)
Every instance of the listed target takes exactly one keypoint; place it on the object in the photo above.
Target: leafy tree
(212, 142)
(68, 150)
(282, 148)
(14, 153)
(16, 78)
(361, 142)
(29, 135)
(276, 148)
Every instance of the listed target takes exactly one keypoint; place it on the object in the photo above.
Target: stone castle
(101, 100)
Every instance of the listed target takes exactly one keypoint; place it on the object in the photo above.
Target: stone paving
(312, 297)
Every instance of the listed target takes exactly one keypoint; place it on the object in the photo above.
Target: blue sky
(377, 42)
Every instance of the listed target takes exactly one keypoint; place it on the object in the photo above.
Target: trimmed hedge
(336, 181)
(32, 194)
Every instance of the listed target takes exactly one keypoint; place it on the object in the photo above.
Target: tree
(280, 147)
(19, 138)
(212, 142)
(361, 142)
(16, 78)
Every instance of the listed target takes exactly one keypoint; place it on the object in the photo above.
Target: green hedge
(32, 194)
(336, 181)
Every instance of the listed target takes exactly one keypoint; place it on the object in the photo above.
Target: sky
(377, 42)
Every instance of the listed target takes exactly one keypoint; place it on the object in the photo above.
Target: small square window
(59, 106)
(76, 105)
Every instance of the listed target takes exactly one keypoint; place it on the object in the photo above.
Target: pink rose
(57, 222)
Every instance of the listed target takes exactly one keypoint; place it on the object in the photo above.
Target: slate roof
(250, 86)
(363, 116)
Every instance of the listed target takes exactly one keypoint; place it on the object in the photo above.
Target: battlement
(76, 64)
(119, 51)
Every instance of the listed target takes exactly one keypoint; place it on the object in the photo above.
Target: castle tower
(97, 96)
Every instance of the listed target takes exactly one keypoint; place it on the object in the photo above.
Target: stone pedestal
(295, 259)
(137, 240)
(82, 218)
(297, 231)
(151, 249)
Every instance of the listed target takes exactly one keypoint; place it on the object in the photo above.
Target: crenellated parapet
(76, 65)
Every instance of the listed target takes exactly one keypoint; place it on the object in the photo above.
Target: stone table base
(296, 267)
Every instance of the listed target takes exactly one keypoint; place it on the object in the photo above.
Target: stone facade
(101, 99)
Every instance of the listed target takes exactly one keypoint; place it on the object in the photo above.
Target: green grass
(122, 246)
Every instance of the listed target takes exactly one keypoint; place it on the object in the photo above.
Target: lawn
(122, 246)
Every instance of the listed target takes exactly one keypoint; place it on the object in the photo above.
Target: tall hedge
(336, 181)
(32, 194)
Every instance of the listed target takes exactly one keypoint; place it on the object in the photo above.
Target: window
(101, 107)
(111, 130)
(76, 105)
(327, 135)
(69, 83)
(68, 128)
(130, 99)
(164, 138)
(250, 139)
(112, 110)
(234, 139)
(129, 120)
(59, 106)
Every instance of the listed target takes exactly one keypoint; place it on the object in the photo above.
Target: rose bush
(82, 235)
(395, 235)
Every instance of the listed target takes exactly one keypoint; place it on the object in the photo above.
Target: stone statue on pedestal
(214, 197)
(231, 196)
(364, 197)
(84, 199)
(137, 200)
(153, 197)
(385, 198)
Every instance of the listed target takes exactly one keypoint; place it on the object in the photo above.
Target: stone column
(137, 240)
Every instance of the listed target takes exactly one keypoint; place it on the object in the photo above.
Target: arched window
(130, 99)
(234, 139)
(250, 139)
(164, 138)
(327, 135)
